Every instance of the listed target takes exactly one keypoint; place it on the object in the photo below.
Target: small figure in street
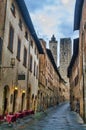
(77, 106)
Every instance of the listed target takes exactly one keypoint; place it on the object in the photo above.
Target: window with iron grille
(11, 37)
(18, 49)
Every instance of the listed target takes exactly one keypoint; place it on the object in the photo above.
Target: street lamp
(12, 64)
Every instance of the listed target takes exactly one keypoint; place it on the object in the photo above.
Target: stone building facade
(73, 74)
(65, 56)
(29, 78)
(80, 63)
(16, 39)
(49, 80)
(53, 47)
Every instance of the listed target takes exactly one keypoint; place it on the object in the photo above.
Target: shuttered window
(18, 49)
(31, 60)
(25, 57)
(11, 37)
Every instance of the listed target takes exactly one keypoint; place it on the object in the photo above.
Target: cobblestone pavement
(57, 118)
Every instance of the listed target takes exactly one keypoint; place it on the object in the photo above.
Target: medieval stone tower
(53, 47)
(65, 56)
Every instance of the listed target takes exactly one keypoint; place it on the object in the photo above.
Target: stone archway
(6, 99)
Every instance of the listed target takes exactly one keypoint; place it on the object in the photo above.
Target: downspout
(4, 25)
(5, 17)
(83, 77)
(84, 73)
(3, 33)
(27, 96)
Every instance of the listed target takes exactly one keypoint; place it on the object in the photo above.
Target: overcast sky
(52, 17)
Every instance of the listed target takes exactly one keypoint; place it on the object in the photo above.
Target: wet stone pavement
(57, 118)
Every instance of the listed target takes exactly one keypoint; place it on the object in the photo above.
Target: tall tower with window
(65, 56)
(53, 47)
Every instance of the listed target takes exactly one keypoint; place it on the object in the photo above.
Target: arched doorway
(6, 98)
(32, 101)
(41, 101)
(28, 98)
(38, 102)
(23, 101)
(15, 100)
(35, 103)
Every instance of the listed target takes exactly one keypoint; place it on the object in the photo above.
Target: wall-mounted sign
(21, 76)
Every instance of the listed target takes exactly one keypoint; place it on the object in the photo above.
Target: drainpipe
(28, 75)
(2, 36)
(84, 73)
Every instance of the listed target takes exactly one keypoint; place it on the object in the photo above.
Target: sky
(52, 17)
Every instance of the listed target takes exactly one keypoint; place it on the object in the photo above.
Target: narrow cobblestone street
(58, 118)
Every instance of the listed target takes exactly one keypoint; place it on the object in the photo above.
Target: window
(46, 81)
(35, 50)
(1, 43)
(26, 35)
(31, 43)
(11, 37)
(25, 57)
(37, 55)
(76, 80)
(18, 49)
(13, 9)
(31, 63)
(34, 68)
(37, 72)
(60, 89)
(20, 24)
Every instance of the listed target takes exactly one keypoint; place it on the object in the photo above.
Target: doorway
(15, 100)
(6, 98)
(23, 101)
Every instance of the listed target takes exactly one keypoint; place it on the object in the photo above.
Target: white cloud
(55, 18)
(65, 1)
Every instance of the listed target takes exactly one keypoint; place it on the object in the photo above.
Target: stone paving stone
(57, 118)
